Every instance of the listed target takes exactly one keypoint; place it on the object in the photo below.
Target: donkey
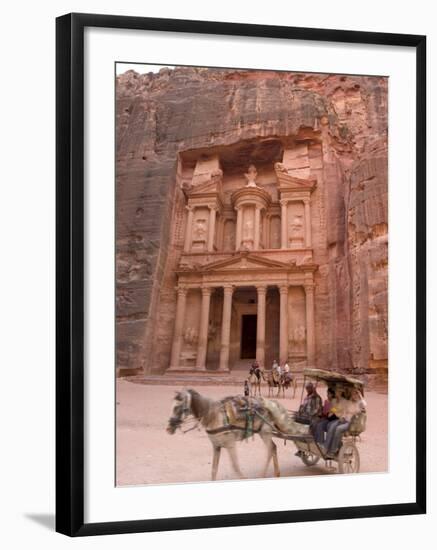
(214, 417)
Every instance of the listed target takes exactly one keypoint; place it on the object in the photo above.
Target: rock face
(161, 116)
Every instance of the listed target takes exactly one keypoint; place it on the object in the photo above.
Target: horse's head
(181, 409)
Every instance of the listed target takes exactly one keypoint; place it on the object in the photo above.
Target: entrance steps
(193, 378)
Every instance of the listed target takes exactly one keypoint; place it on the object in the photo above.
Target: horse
(273, 379)
(255, 376)
(228, 421)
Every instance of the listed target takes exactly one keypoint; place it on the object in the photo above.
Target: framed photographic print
(240, 274)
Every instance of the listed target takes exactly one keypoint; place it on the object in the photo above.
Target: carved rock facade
(251, 194)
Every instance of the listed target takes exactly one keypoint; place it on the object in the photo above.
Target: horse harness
(246, 408)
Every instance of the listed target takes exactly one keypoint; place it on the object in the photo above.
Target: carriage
(309, 451)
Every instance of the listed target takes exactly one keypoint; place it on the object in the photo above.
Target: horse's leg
(215, 462)
(234, 461)
(271, 453)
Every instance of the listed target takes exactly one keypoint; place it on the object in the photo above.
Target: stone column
(261, 325)
(239, 228)
(256, 238)
(311, 331)
(226, 328)
(203, 329)
(284, 224)
(307, 223)
(178, 327)
(211, 228)
(188, 229)
(283, 321)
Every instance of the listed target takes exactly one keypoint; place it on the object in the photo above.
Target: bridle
(183, 418)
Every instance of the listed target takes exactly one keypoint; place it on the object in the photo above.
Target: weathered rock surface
(160, 115)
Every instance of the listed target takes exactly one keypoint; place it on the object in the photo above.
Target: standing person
(347, 410)
(246, 388)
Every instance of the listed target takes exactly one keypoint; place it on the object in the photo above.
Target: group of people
(283, 373)
(331, 419)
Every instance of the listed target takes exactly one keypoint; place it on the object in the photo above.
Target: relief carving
(299, 339)
(191, 337)
(296, 231)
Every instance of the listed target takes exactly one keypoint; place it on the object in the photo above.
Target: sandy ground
(147, 454)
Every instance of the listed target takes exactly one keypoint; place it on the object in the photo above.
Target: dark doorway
(248, 337)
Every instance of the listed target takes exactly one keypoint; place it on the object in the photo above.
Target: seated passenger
(346, 410)
(328, 415)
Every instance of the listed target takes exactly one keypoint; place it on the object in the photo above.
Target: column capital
(261, 289)
(306, 200)
(228, 288)
(206, 290)
(181, 290)
(190, 207)
(309, 288)
(213, 207)
(283, 288)
(284, 202)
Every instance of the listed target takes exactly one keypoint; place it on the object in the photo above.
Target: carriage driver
(312, 404)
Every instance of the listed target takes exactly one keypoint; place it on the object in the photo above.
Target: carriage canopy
(332, 378)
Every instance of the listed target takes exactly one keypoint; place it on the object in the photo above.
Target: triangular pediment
(290, 182)
(245, 262)
(206, 188)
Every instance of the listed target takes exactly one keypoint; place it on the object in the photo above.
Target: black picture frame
(70, 273)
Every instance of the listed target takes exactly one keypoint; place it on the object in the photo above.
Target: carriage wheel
(348, 459)
(310, 459)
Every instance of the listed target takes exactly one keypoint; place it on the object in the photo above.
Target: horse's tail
(282, 419)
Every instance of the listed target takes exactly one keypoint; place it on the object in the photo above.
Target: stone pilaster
(284, 223)
(261, 325)
(307, 223)
(256, 239)
(226, 328)
(203, 329)
(311, 330)
(179, 324)
(188, 229)
(239, 228)
(283, 322)
(211, 228)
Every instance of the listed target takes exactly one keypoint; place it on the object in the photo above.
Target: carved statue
(212, 330)
(299, 338)
(280, 167)
(296, 231)
(251, 176)
(216, 176)
(200, 230)
(248, 233)
(297, 226)
(190, 336)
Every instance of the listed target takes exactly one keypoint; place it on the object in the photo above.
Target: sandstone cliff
(160, 115)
